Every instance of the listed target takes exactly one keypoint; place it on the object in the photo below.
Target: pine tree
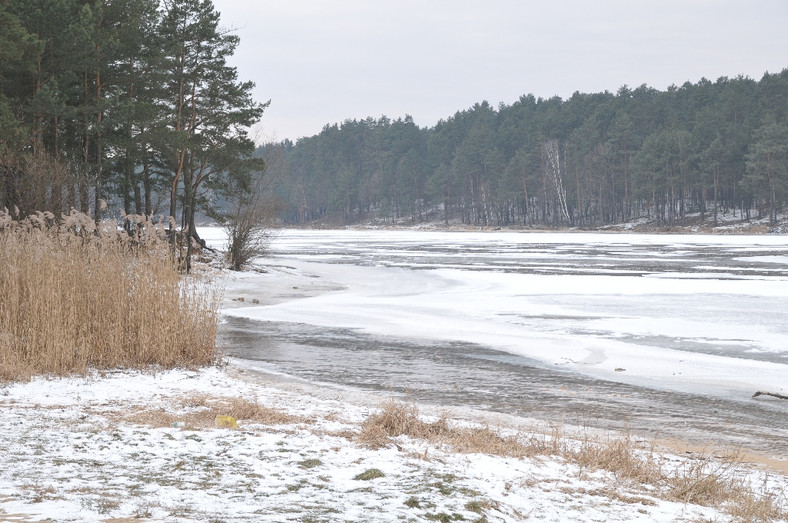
(767, 166)
(210, 109)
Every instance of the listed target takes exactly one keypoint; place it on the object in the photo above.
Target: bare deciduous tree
(252, 212)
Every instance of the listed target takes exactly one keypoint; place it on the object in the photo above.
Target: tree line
(590, 160)
(125, 100)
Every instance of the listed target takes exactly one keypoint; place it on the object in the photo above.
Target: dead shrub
(399, 419)
(718, 482)
(620, 456)
(758, 506)
(703, 482)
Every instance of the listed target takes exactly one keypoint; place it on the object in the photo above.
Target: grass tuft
(369, 474)
(413, 502)
(620, 455)
(398, 419)
(310, 463)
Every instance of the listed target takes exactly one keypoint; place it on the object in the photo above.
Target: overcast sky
(324, 61)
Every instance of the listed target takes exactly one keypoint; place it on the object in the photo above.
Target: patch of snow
(71, 454)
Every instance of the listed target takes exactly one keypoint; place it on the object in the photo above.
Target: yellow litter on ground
(226, 422)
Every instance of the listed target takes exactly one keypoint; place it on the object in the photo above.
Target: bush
(252, 211)
(248, 235)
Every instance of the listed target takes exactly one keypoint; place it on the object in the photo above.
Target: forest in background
(590, 160)
(133, 102)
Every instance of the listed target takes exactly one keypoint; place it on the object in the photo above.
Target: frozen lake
(664, 335)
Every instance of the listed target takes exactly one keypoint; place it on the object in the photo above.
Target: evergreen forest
(701, 149)
(130, 102)
(133, 102)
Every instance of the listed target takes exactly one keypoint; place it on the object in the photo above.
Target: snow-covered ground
(135, 445)
(143, 446)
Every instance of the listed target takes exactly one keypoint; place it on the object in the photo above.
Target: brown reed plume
(75, 295)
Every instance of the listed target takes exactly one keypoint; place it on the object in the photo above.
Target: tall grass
(75, 296)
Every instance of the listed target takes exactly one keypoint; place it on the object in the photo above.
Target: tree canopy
(129, 100)
(134, 101)
(589, 160)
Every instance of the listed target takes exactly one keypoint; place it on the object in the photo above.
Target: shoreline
(692, 225)
(282, 283)
(359, 398)
(143, 446)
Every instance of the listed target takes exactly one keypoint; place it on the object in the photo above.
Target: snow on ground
(130, 445)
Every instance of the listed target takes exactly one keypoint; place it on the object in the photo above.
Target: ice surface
(686, 313)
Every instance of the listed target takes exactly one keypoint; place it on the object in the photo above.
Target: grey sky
(321, 61)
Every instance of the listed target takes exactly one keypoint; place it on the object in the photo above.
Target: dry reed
(76, 296)
(201, 411)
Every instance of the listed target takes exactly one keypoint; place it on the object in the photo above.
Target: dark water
(464, 374)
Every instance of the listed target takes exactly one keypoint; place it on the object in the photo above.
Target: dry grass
(200, 412)
(704, 480)
(764, 506)
(247, 410)
(619, 455)
(74, 296)
(718, 482)
(398, 419)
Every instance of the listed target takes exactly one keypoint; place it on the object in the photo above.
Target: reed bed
(76, 296)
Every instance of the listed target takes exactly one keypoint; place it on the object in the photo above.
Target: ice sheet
(689, 313)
